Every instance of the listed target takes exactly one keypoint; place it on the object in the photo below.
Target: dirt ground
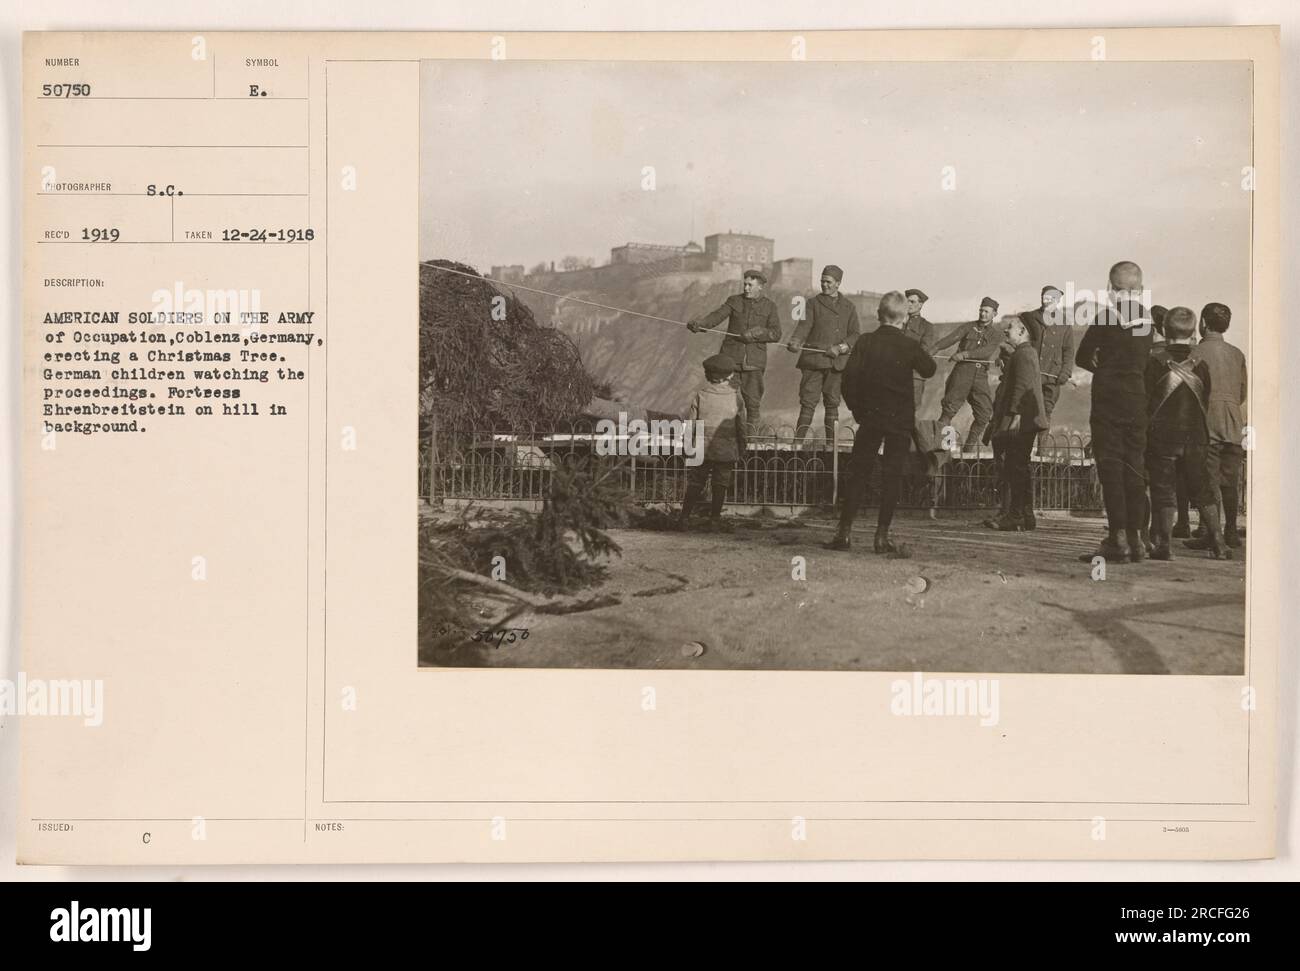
(995, 602)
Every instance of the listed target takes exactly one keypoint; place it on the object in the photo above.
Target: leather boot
(1113, 549)
(1164, 530)
(1137, 548)
(1004, 506)
(1213, 538)
(688, 504)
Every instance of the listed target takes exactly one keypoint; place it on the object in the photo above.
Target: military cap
(990, 303)
(720, 364)
(757, 275)
(919, 294)
(832, 270)
(1049, 288)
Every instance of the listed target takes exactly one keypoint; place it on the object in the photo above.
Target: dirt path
(996, 602)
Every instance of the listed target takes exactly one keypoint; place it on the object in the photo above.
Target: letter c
(146, 837)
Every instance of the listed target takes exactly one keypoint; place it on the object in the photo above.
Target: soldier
(878, 390)
(1018, 417)
(968, 381)
(1001, 485)
(831, 328)
(919, 329)
(1224, 453)
(752, 324)
(1178, 390)
(1053, 339)
(1115, 349)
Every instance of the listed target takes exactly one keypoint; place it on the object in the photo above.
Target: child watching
(720, 410)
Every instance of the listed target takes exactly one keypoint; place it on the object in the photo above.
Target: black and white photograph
(835, 366)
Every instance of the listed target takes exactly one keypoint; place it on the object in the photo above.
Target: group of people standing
(1166, 418)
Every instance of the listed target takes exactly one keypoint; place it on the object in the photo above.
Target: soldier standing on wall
(831, 327)
(752, 324)
(968, 381)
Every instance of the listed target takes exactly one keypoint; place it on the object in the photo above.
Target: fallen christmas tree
(479, 570)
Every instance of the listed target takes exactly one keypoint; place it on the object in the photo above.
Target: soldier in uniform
(978, 344)
(752, 324)
(830, 326)
(919, 329)
(878, 390)
(1224, 454)
(1001, 485)
(1018, 416)
(1052, 338)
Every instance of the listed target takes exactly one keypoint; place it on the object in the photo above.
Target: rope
(617, 310)
(624, 310)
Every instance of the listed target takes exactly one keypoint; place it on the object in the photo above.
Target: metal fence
(517, 464)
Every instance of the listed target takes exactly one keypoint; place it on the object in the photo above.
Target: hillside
(655, 365)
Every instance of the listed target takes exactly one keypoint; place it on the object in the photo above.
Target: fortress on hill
(724, 256)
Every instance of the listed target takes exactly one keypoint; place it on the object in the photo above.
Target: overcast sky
(1060, 169)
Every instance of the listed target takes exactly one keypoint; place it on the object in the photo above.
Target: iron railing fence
(517, 463)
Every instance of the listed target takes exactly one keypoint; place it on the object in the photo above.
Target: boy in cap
(1178, 389)
(720, 410)
(831, 327)
(968, 381)
(1225, 418)
(1182, 526)
(752, 324)
(878, 390)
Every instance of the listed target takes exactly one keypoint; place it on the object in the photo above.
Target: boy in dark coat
(878, 390)
(1115, 349)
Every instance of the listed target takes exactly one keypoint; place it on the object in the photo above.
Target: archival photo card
(826, 445)
(668, 417)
